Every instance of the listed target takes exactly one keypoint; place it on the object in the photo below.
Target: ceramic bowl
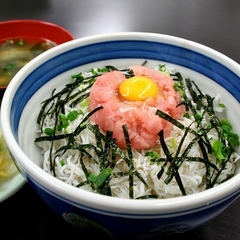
(33, 31)
(119, 218)
(12, 183)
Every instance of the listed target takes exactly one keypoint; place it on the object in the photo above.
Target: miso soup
(15, 53)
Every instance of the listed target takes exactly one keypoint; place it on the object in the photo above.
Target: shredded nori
(106, 151)
(197, 103)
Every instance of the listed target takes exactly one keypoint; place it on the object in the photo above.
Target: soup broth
(15, 53)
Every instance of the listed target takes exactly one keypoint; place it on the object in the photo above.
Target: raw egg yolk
(138, 88)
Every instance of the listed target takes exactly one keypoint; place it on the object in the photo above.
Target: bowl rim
(36, 21)
(106, 204)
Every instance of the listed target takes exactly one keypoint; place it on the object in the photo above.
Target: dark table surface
(214, 23)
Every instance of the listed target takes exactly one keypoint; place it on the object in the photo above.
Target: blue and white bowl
(120, 218)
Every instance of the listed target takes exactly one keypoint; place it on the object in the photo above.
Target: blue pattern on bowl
(134, 228)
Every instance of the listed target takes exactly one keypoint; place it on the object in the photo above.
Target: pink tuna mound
(140, 116)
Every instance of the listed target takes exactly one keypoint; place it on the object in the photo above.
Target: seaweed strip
(172, 161)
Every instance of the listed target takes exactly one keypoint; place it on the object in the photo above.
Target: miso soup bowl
(32, 31)
(118, 218)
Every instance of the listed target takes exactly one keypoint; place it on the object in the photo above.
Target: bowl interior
(213, 72)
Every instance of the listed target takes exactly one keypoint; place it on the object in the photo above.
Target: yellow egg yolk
(138, 88)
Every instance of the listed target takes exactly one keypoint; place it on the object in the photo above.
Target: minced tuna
(140, 116)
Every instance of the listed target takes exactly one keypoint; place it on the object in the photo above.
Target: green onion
(9, 66)
(99, 179)
(62, 162)
(48, 131)
(153, 155)
(72, 115)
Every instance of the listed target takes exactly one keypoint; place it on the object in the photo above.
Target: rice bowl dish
(140, 213)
